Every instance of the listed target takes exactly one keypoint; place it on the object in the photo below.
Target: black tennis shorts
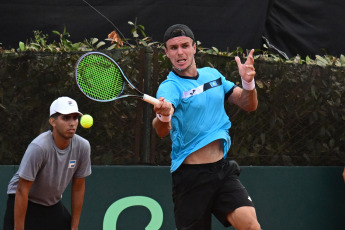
(200, 190)
(39, 217)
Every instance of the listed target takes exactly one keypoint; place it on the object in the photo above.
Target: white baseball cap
(64, 105)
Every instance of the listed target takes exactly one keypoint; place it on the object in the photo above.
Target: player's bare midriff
(210, 153)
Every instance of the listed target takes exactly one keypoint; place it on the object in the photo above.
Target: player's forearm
(77, 199)
(162, 128)
(20, 207)
(249, 100)
(245, 99)
(76, 207)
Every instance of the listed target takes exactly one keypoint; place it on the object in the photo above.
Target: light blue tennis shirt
(199, 116)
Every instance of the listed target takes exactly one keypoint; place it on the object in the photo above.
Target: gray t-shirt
(51, 168)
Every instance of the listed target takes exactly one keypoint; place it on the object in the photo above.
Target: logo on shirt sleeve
(71, 164)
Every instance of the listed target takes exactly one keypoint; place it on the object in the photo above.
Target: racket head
(99, 77)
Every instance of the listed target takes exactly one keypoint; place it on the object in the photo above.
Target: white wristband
(248, 85)
(164, 118)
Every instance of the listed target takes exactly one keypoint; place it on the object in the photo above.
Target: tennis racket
(101, 79)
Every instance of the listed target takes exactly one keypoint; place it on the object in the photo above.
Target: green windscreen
(99, 77)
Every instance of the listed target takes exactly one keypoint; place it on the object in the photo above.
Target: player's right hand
(164, 108)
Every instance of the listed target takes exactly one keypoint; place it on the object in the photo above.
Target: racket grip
(150, 99)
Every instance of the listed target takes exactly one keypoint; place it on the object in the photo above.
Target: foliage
(299, 120)
(39, 43)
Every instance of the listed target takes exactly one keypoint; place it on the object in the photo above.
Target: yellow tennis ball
(86, 121)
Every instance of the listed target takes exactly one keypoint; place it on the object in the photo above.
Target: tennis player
(204, 183)
(51, 161)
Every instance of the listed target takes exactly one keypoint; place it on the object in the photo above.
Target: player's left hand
(246, 70)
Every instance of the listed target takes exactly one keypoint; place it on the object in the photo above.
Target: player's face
(66, 125)
(180, 51)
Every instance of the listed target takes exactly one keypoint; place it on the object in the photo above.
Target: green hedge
(299, 121)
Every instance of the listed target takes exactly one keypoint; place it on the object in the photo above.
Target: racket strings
(99, 77)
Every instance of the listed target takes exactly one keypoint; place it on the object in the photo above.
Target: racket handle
(150, 99)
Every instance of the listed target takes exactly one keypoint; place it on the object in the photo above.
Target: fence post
(147, 113)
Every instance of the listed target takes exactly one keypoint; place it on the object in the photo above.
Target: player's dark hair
(55, 116)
